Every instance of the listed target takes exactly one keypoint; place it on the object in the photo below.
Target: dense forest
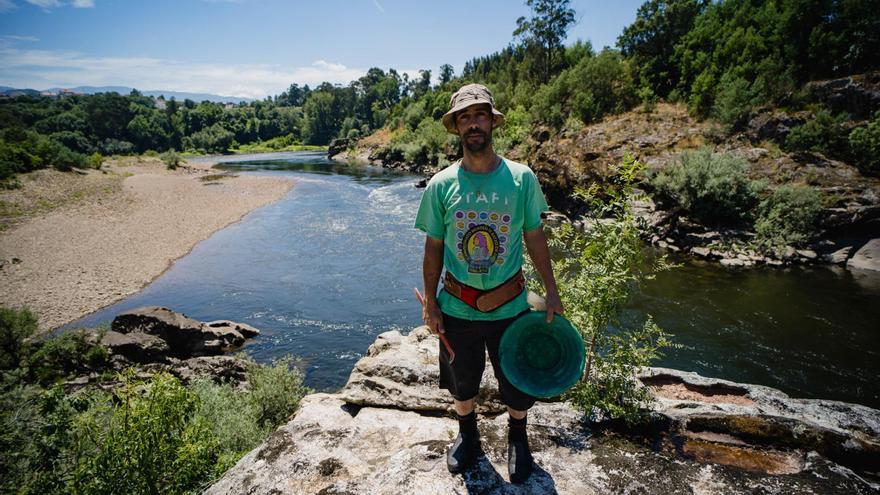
(723, 59)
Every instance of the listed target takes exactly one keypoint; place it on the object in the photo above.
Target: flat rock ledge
(387, 431)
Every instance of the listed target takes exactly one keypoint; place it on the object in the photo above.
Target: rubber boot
(463, 452)
(519, 457)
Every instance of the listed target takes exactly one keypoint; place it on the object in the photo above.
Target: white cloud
(14, 38)
(42, 69)
(45, 4)
(379, 6)
(7, 5)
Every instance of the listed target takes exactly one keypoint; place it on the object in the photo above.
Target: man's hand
(433, 318)
(536, 243)
(554, 305)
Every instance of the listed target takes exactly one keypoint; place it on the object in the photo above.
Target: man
(476, 213)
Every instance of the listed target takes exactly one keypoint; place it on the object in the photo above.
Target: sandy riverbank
(107, 235)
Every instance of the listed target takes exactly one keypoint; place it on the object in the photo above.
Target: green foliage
(516, 128)
(865, 146)
(213, 139)
(16, 325)
(60, 356)
(95, 160)
(23, 150)
(37, 437)
(275, 391)
(428, 144)
(595, 273)
(597, 86)
(824, 134)
(735, 100)
(171, 159)
(772, 45)
(234, 420)
(712, 187)
(650, 40)
(648, 98)
(545, 31)
(148, 436)
(788, 217)
(151, 441)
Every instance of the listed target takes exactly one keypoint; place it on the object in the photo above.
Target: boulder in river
(867, 257)
(185, 336)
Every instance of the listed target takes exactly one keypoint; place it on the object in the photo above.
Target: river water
(330, 266)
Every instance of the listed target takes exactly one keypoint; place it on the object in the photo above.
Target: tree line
(723, 59)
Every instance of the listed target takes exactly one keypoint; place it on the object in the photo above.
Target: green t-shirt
(481, 218)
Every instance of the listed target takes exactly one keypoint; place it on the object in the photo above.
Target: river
(330, 266)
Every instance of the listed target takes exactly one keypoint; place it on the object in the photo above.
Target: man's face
(474, 125)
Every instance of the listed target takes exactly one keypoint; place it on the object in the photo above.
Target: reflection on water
(326, 269)
(809, 331)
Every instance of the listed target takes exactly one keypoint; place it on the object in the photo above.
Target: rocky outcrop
(337, 146)
(857, 95)
(387, 432)
(867, 257)
(138, 348)
(185, 337)
(400, 372)
(156, 339)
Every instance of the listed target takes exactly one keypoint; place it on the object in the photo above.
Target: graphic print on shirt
(482, 238)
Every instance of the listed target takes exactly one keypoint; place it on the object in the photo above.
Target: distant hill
(124, 90)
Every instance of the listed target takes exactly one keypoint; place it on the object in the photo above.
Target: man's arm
(431, 268)
(536, 243)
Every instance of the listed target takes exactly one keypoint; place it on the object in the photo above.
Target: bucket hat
(539, 358)
(467, 95)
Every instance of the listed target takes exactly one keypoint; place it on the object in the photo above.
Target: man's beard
(477, 146)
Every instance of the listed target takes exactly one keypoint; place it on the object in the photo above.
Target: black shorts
(471, 339)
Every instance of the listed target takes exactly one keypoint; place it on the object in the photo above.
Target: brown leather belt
(485, 300)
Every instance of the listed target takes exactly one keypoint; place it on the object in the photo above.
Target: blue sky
(256, 48)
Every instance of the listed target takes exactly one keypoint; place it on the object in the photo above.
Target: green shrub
(95, 160)
(864, 144)
(150, 441)
(233, 419)
(712, 187)
(16, 325)
(38, 446)
(110, 147)
(648, 99)
(597, 86)
(171, 159)
(414, 114)
(517, 124)
(734, 101)
(788, 217)
(214, 139)
(596, 273)
(275, 391)
(62, 355)
(428, 144)
(240, 420)
(824, 134)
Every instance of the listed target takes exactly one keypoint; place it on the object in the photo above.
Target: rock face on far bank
(388, 430)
